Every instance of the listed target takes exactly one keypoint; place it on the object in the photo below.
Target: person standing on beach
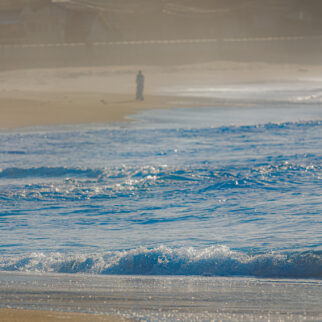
(139, 86)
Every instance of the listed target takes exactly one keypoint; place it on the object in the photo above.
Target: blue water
(215, 192)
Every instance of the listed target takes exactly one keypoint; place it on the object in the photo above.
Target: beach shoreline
(25, 109)
(84, 95)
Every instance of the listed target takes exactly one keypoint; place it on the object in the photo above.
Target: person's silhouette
(139, 86)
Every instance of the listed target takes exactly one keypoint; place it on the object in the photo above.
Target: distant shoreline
(84, 95)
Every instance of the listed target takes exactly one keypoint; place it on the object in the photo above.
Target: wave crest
(211, 261)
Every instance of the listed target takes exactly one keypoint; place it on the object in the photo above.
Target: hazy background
(38, 33)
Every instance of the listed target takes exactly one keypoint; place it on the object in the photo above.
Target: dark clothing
(139, 86)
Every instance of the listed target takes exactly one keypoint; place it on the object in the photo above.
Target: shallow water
(215, 192)
(304, 89)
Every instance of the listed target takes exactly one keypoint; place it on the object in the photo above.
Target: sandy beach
(12, 315)
(107, 94)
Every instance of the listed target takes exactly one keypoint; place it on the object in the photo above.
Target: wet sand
(166, 298)
(107, 94)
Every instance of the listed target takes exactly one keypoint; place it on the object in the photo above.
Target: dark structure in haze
(32, 21)
(43, 33)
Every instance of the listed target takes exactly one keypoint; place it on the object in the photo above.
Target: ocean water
(203, 192)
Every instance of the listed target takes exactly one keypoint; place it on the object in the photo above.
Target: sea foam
(210, 261)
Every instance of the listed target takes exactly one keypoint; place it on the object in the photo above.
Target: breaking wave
(210, 261)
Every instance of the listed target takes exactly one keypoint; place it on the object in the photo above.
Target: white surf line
(162, 42)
